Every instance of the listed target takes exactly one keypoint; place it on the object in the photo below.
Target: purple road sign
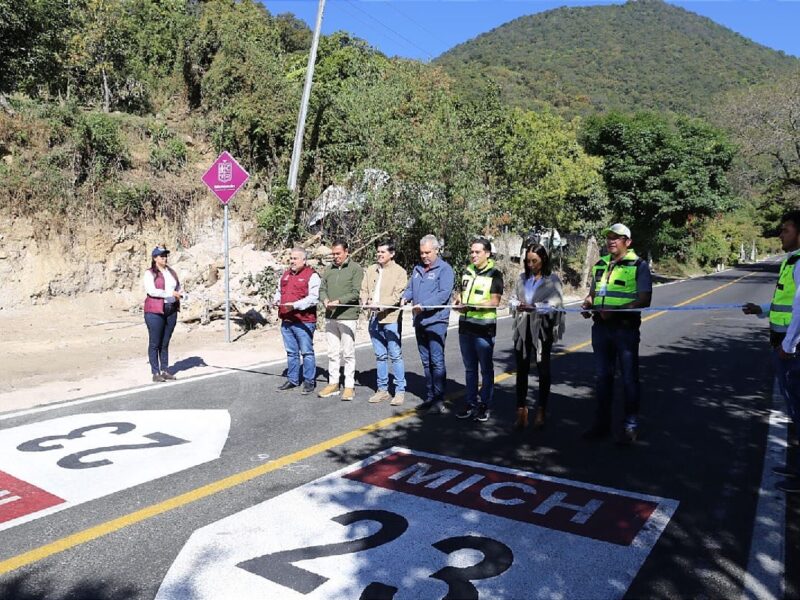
(225, 177)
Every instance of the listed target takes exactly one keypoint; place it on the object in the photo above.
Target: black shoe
(286, 385)
(482, 415)
(595, 433)
(629, 436)
(439, 408)
(308, 388)
(785, 471)
(790, 486)
(467, 413)
(158, 377)
(425, 406)
(167, 376)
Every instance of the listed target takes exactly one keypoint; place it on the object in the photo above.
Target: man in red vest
(296, 298)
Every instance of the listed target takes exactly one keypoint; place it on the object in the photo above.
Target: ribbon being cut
(545, 308)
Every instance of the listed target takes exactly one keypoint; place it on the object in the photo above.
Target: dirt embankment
(76, 347)
(70, 305)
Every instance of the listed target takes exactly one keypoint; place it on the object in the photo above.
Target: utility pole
(301, 118)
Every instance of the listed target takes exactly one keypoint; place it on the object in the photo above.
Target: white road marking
(764, 579)
(54, 464)
(183, 381)
(133, 391)
(222, 372)
(416, 525)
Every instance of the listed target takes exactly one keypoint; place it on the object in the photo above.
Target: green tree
(333, 148)
(660, 174)
(101, 59)
(33, 38)
(549, 180)
(237, 74)
(400, 117)
(294, 34)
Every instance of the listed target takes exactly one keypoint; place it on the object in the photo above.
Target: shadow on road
(705, 407)
(188, 363)
(38, 587)
(705, 404)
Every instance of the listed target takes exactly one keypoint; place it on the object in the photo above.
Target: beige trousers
(341, 338)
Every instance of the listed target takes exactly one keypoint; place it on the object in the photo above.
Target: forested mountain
(641, 55)
(111, 111)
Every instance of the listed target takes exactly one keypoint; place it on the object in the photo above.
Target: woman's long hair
(541, 251)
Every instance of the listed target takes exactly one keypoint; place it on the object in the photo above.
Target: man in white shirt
(784, 325)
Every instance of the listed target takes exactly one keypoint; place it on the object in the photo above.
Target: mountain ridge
(641, 55)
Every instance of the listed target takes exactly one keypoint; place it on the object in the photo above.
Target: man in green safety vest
(481, 290)
(621, 280)
(784, 333)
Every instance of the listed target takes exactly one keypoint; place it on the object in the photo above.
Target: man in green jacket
(341, 284)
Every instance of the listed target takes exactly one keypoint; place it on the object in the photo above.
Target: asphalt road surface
(222, 487)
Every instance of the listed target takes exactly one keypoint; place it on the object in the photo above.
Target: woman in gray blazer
(536, 327)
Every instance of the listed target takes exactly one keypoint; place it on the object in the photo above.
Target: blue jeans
(611, 345)
(386, 344)
(787, 374)
(159, 330)
(430, 342)
(477, 350)
(298, 339)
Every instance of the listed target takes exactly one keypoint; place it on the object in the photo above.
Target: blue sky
(423, 29)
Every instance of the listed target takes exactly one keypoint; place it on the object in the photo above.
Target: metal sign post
(225, 178)
(227, 281)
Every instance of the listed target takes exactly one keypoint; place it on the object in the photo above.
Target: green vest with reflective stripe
(476, 287)
(780, 311)
(615, 287)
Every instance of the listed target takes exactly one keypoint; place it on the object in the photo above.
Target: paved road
(116, 523)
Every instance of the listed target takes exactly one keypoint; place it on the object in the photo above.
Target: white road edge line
(224, 371)
(764, 579)
(150, 387)
(131, 391)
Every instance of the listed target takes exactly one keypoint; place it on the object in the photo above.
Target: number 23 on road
(51, 465)
(406, 524)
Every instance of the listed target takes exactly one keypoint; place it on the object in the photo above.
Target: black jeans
(524, 357)
(160, 328)
(614, 345)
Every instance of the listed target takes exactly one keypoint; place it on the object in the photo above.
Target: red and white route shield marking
(51, 465)
(406, 524)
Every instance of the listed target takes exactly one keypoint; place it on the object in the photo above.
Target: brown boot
(538, 418)
(522, 418)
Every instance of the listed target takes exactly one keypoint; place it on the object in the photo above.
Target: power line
(427, 54)
(391, 5)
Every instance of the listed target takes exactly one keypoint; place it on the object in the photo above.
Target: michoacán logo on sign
(225, 177)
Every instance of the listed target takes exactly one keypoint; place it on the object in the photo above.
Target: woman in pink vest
(161, 308)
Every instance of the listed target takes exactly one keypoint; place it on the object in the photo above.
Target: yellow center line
(582, 345)
(194, 495)
(221, 485)
(698, 297)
